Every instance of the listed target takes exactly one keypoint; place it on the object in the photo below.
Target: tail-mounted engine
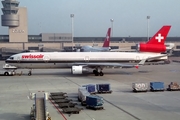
(144, 47)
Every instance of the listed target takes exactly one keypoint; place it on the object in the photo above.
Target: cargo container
(103, 88)
(156, 86)
(140, 87)
(173, 86)
(91, 88)
(82, 94)
(94, 102)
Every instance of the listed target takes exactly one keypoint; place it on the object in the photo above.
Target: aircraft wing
(111, 65)
(153, 58)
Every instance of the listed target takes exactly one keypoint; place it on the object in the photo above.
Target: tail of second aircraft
(107, 39)
(160, 37)
(156, 43)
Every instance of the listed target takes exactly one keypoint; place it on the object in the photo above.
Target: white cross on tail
(159, 37)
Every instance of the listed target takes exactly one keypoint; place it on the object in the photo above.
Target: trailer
(62, 101)
(67, 105)
(103, 88)
(58, 94)
(82, 94)
(74, 110)
(58, 97)
(94, 102)
(156, 86)
(6, 73)
(173, 86)
(140, 87)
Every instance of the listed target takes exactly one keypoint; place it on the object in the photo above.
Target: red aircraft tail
(160, 37)
(107, 39)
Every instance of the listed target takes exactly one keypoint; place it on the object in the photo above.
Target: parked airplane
(157, 42)
(81, 62)
(104, 48)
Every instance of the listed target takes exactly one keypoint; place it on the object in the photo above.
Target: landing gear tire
(29, 73)
(97, 74)
(101, 73)
(167, 62)
(6, 74)
(94, 71)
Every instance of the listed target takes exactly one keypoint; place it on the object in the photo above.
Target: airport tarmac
(121, 104)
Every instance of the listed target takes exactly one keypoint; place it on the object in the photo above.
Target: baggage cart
(74, 110)
(62, 101)
(67, 105)
(140, 87)
(58, 97)
(91, 88)
(94, 102)
(103, 88)
(57, 94)
(173, 86)
(156, 86)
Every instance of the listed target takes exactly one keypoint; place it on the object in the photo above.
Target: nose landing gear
(30, 73)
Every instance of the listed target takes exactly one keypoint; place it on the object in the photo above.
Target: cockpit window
(11, 58)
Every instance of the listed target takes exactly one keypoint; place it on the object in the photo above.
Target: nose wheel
(30, 73)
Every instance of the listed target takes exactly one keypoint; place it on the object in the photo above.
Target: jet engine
(79, 70)
(144, 47)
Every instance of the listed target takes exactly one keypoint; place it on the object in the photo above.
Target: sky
(92, 17)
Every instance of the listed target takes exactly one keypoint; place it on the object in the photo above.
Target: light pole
(40, 28)
(72, 28)
(112, 20)
(148, 17)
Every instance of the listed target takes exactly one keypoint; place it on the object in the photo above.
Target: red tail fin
(160, 36)
(107, 39)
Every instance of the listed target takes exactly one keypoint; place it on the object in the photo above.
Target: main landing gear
(96, 73)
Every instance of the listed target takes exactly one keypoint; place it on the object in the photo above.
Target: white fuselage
(40, 60)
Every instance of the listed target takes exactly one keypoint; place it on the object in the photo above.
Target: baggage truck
(94, 102)
(82, 94)
(173, 86)
(6, 73)
(156, 86)
(140, 87)
(103, 88)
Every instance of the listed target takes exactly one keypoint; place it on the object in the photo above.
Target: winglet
(140, 63)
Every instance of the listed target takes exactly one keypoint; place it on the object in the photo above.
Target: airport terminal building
(15, 18)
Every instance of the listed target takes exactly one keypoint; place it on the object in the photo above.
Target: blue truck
(94, 102)
(156, 86)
